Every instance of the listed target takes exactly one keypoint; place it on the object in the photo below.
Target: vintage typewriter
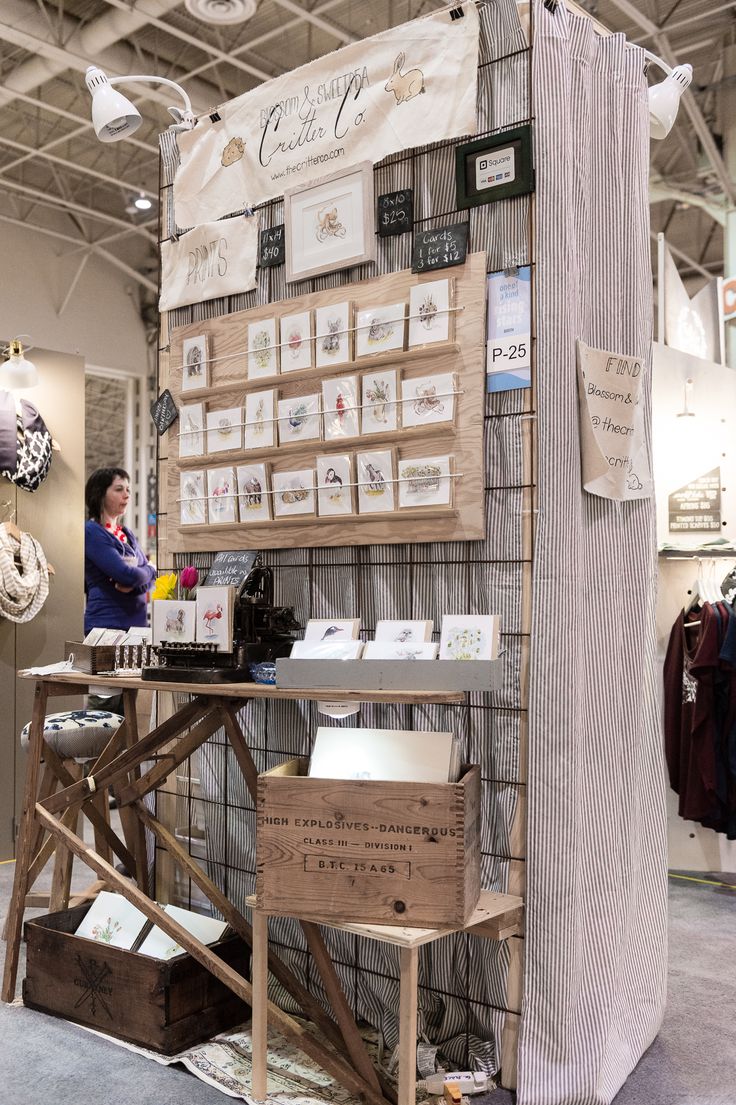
(261, 631)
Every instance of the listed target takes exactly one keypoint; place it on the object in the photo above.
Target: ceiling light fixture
(115, 117)
(221, 13)
(142, 202)
(17, 372)
(664, 98)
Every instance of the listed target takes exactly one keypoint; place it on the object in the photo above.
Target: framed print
(327, 650)
(409, 650)
(224, 430)
(375, 479)
(215, 616)
(340, 407)
(173, 620)
(260, 421)
(332, 629)
(428, 399)
(296, 341)
(299, 419)
(329, 224)
(425, 481)
(192, 499)
(334, 484)
(401, 632)
(429, 312)
(263, 352)
(494, 168)
(221, 495)
(332, 335)
(379, 329)
(293, 492)
(191, 430)
(379, 413)
(253, 498)
(469, 637)
(195, 366)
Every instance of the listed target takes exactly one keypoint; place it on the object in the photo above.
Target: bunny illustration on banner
(405, 86)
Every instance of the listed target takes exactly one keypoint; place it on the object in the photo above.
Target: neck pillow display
(25, 444)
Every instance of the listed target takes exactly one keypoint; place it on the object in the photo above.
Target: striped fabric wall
(596, 872)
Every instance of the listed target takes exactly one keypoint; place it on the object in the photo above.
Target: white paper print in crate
(299, 419)
(334, 479)
(403, 755)
(221, 495)
(388, 650)
(191, 430)
(193, 504)
(375, 478)
(379, 329)
(173, 620)
(401, 632)
(340, 407)
(428, 399)
(429, 314)
(160, 946)
(425, 481)
(260, 424)
(327, 650)
(224, 430)
(332, 629)
(332, 334)
(296, 339)
(195, 366)
(113, 920)
(215, 616)
(470, 637)
(293, 492)
(253, 498)
(262, 349)
(379, 408)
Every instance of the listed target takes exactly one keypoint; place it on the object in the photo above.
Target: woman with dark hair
(117, 574)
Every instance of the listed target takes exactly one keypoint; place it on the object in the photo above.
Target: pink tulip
(188, 577)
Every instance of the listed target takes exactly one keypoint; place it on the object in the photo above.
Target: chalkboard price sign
(272, 246)
(164, 412)
(395, 213)
(231, 568)
(440, 248)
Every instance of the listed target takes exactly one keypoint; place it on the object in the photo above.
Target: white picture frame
(224, 430)
(293, 493)
(426, 400)
(429, 312)
(263, 349)
(260, 420)
(408, 630)
(375, 477)
(410, 650)
(191, 430)
(173, 620)
(332, 629)
(470, 637)
(215, 607)
(379, 410)
(254, 500)
(335, 485)
(297, 341)
(330, 223)
(425, 482)
(333, 341)
(195, 372)
(340, 407)
(327, 650)
(380, 329)
(222, 496)
(300, 419)
(192, 498)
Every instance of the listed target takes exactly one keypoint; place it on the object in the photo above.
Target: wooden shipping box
(367, 851)
(164, 1005)
(90, 658)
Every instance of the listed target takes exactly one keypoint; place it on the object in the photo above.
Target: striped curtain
(596, 866)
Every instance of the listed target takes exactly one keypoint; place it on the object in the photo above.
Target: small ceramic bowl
(264, 672)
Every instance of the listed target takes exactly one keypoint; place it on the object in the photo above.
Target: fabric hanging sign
(213, 260)
(615, 457)
(404, 87)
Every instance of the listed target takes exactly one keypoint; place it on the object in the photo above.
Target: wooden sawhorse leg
(259, 982)
(408, 983)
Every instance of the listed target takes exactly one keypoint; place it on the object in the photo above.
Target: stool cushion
(77, 734)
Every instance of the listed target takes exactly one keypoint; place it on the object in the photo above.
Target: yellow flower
(165, 587)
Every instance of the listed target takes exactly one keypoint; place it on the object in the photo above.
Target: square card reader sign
(495, 168)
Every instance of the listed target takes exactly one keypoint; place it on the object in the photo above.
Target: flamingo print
(213, 614)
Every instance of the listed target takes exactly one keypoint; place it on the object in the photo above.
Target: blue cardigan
(107, 562)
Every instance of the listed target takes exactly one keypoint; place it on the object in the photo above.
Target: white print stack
(112, 920)
(464, 637)
(329, 639)
(392, 755)
(207, 619)
(402, 640)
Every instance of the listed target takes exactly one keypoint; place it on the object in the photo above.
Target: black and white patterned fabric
(76, 734)
(25, 456)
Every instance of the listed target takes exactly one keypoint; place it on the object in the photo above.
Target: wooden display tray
(393, 675)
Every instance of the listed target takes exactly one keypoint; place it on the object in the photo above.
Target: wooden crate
(91, 658)
(368, 851)
(164, 1005)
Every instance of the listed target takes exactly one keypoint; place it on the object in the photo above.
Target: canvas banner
(213, 260)
(616, 460)
(405, 87)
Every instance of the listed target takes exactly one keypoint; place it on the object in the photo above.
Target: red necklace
(116, 531)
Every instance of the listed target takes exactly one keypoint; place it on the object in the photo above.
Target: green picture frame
(494, 168)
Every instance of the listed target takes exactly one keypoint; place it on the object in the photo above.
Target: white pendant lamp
(664, 98)
(17, 371)
(113, 115)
